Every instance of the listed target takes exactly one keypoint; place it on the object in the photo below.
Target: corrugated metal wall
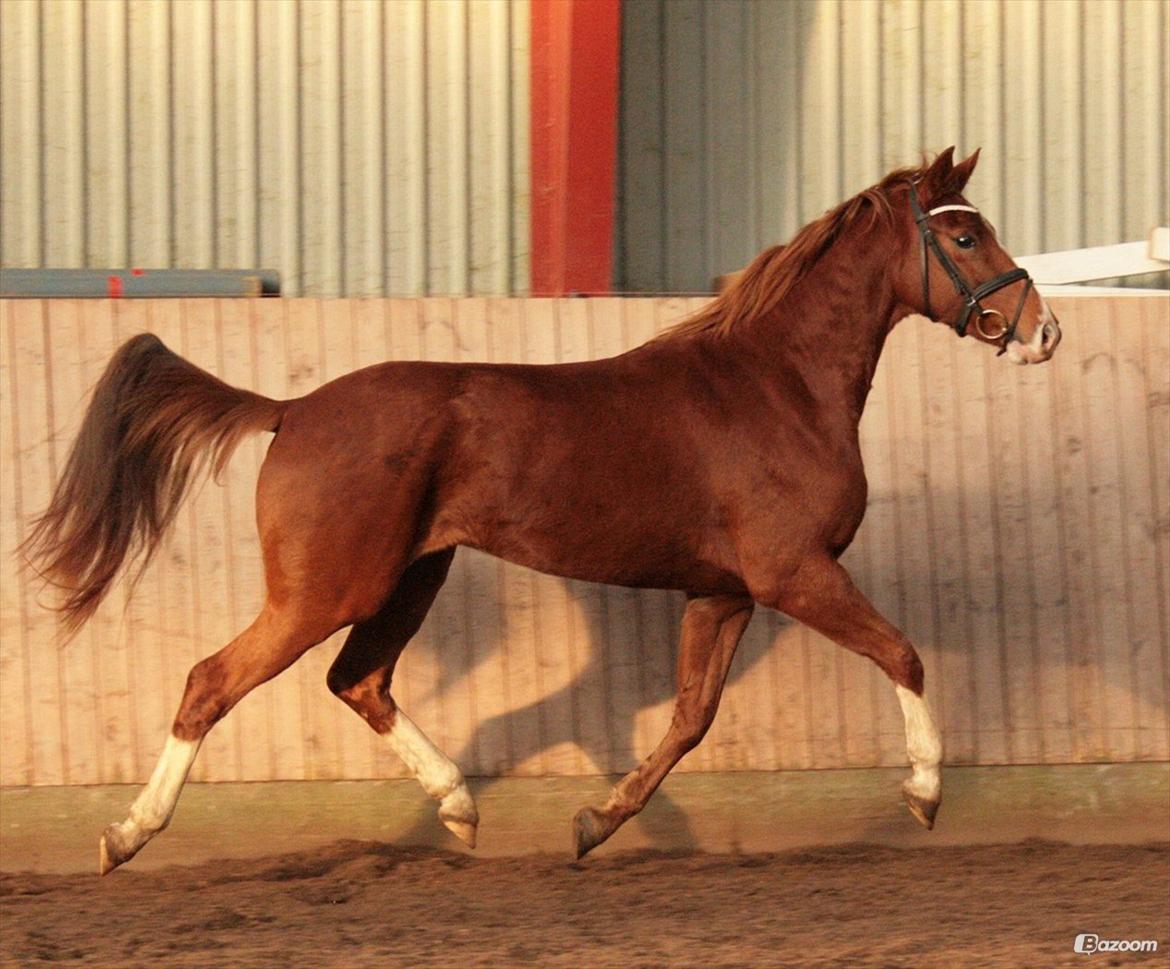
(360, 147)
(1018, 530)
(744, 119)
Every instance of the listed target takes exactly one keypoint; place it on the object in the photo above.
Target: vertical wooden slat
(983, 587)
(32, 416)
(1155, 338)
(1110, 556)
(1040, 431)
(16, 761)
(1138, 667)
(1080, 536)
(1120, 619)
(1011, 430)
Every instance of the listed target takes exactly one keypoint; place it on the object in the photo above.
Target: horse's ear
(962, 172)
(937, 178)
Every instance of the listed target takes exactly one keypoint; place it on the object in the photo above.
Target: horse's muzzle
(1043, 344)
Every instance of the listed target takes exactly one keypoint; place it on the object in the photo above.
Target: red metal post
(576, 47)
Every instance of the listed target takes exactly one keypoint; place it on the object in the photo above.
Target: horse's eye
(965, 242)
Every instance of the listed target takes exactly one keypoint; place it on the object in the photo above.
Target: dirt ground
(361, 903)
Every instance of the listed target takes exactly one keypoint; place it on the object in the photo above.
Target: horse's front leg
(711, 630)
(822, 595)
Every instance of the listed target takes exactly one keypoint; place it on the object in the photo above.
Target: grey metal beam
(137, 283)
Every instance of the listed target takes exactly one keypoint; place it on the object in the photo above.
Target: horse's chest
(821, 498)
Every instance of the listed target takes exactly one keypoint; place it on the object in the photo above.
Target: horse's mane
(775, 271)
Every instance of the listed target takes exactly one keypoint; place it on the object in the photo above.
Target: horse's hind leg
(823, 596)
(361, 676)
(711, 630)
(215, 685)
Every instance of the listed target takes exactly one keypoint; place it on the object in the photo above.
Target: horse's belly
(611, 556)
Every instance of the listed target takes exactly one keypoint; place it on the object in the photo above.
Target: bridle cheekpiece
(971, 297)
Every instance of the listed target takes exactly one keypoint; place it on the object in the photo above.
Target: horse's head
(961, 275)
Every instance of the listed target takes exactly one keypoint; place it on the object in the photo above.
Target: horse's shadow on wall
(612, 742)
(615, 743)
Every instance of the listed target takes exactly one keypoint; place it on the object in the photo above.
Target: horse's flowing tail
(153, 423)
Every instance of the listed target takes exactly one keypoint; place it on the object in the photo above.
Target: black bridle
(971, 297)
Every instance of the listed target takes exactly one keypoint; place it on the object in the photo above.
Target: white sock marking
(923, 744)
(152, 809)
(435, 771)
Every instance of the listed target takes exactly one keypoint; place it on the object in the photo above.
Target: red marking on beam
(576, 47)
(137, 272)
(114, 287)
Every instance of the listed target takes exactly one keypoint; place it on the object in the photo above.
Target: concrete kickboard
(56, 829)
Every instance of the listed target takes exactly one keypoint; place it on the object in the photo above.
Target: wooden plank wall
(1018, 530)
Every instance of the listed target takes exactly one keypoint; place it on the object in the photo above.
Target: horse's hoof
(590, 828)
(462, 830)
(458, 812)
(922, 809)
(112, 850)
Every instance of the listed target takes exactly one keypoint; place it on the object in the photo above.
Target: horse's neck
(831, 328)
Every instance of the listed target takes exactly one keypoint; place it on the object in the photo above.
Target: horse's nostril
(1050, 333)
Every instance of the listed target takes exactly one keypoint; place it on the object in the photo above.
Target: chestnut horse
(720, 459)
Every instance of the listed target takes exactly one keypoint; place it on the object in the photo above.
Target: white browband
(951, 208)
